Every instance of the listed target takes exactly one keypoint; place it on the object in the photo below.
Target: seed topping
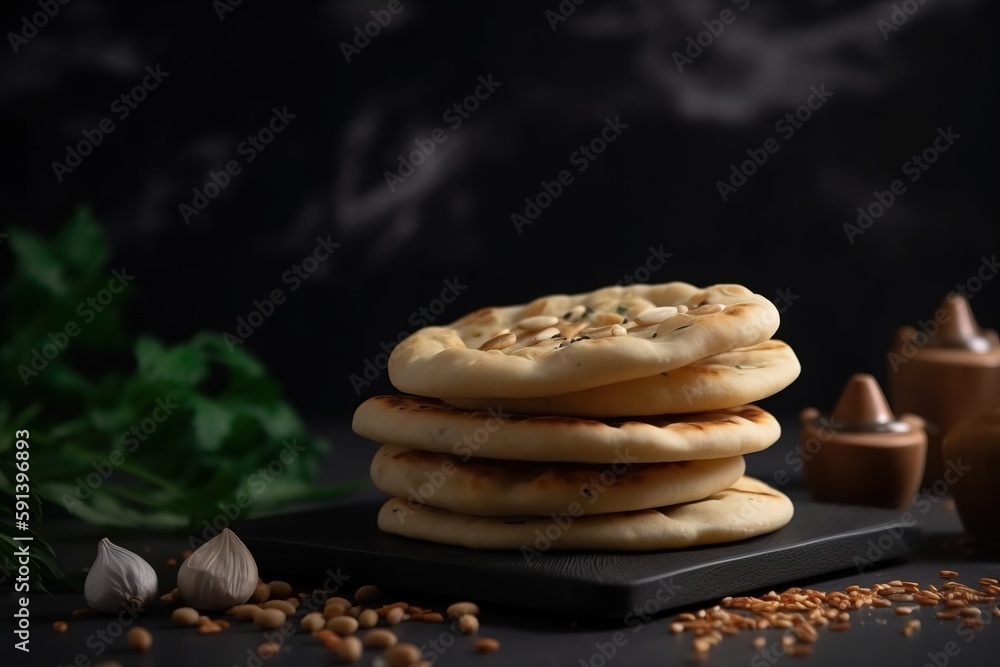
(537, 322)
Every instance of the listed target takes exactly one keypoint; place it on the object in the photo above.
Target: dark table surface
(527, 637)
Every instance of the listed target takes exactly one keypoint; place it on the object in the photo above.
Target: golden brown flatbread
(430, 424)
(493, 487)
(566, 343)
(747, 509)
(740, 376)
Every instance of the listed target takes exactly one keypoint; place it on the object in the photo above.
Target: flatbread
(749, 508)
(745, 375)
(492, 487)
(584, 352)
(430, 424)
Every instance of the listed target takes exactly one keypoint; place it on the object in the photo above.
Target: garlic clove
(119, 578)
(219, 574)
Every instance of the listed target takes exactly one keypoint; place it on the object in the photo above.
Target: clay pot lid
(863, 407)
(960, 329)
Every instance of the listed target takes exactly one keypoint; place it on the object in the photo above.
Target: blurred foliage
(192, 426)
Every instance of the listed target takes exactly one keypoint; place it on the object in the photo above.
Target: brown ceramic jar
(972, 458)
(946, 371)
(861, 454)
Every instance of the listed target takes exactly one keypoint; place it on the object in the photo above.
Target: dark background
(656, 185)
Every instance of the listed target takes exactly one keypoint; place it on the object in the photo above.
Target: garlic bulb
(119, 578)
(219, 574)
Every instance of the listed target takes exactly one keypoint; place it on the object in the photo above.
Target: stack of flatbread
(613, 420)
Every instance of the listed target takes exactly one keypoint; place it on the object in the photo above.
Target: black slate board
(820, 539)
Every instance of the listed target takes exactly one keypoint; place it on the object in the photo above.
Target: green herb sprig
(127, 431)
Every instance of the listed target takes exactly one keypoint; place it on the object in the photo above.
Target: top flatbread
(432, 425)
(581, 351)
(741, 376)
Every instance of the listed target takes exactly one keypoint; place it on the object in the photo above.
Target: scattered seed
(209, 629)
(170, 562)
(354, 611)
(432, 617)
(676, 628)
(759, 643)
(394, 616)
(185, 616)
(203, 620)
(221, 622)
(350, 649)
(618, 330)
(286, 607)
(401, 655)
(60, 626)
(280, 589)
(905, 611)
(486, 645)
(367, 594)
(139, 639)
(344, 602)
(970, 612)
(261, 593)
(380, 638)
(312, 622)
(185, 554)
(244, 612)
(343, 625)
(269, 619)
(468, 624)
(268, 650)
(805, 633)
(335, 610)
(948, 574)
(368, 618)
(459, 609)
(384, 609)
(839, 627)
